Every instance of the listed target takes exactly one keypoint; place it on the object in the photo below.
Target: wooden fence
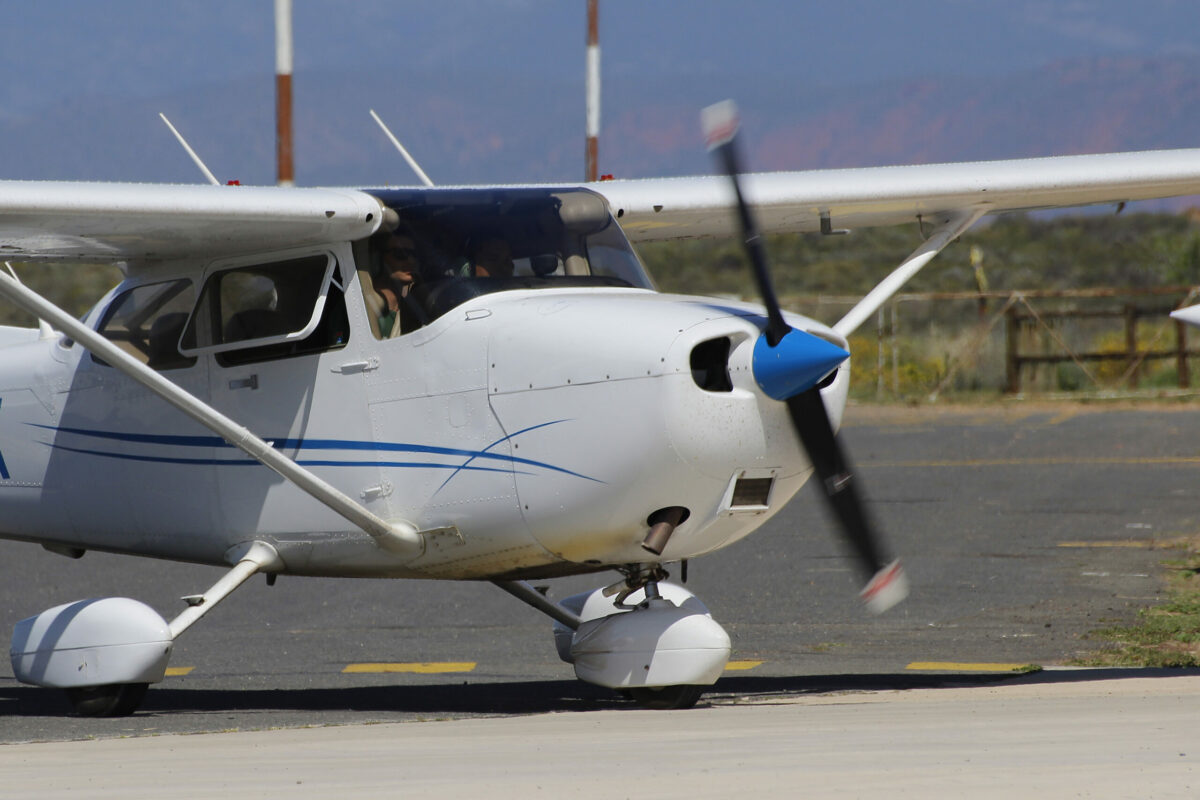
(1033, 334)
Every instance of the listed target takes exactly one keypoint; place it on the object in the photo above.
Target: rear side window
(266, 311)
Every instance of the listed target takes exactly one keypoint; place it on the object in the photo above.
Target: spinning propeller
(789, 365)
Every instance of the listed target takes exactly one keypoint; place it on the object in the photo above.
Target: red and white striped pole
(283, 92)
(593, 88)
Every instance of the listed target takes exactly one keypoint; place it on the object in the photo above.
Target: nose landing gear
(651, 640)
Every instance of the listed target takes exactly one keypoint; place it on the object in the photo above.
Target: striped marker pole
(593, 89)
(283, 92)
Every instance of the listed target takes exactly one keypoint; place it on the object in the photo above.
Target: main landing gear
(104, 653)
(649, 639)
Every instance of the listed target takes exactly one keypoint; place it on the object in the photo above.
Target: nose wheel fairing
(661, 641)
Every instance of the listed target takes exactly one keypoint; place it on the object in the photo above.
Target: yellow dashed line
(1025, 462)
(954, 666)
(177, 672)
(1063, 417)
(1126, 543)
(422, 667)
(735, 666)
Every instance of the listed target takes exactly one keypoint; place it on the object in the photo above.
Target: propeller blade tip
(887, 588)
(719, 123)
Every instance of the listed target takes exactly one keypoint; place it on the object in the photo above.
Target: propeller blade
(886, 583)
(720, 123)
(788, 365)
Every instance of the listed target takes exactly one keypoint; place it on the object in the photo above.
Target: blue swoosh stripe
(172, 440)
(486, 454)
(248, 462)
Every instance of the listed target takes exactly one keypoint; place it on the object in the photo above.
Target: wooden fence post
(1181, 359)
(1131, 321)
(1012, 366)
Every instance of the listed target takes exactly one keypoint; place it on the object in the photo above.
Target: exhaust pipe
(662, 524)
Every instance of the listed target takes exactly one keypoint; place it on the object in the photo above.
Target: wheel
(666, 697)
(113, 700)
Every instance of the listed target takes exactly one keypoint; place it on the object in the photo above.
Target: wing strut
(400, 537)
(954, 226)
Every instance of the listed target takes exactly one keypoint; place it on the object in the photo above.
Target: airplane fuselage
(531, 430)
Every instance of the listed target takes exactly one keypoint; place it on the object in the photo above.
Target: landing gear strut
(638, 577)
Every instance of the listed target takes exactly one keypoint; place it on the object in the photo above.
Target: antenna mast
(283, 92)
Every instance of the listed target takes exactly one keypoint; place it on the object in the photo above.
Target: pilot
(492, 258)
(395, 281)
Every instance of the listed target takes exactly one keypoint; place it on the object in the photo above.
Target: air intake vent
(751, 492)
(710, 365)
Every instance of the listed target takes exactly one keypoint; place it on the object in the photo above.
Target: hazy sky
(81, 82)
(51, 51)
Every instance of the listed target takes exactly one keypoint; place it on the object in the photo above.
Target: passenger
(492, 258)
(395, 281)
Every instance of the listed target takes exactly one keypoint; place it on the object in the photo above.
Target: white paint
(665, 208)
(283, 37)
(593, 90)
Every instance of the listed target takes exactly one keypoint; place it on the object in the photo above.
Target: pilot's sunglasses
(403, 252)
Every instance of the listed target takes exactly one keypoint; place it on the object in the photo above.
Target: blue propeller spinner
(795, 364)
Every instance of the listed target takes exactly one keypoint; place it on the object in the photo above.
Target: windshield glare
(452, 245)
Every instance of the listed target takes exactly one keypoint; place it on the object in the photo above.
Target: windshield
(454, 244)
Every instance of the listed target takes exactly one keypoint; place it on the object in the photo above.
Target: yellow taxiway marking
(1125, 543)
(734, 666)
(954, 666)
(176, 672)
(1047, 461)
(422, 667)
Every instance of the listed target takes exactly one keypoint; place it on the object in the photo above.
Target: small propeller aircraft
(334, 382)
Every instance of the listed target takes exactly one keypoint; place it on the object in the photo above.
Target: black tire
(667, 697)
(113, 700)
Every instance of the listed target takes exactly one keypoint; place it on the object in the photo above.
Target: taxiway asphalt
(1023, 527)
(1104, 736)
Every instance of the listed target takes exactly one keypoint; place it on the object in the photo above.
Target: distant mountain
(1082, 106)
(533, 128)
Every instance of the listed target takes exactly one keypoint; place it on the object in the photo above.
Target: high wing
(669, 208)
(137, 223)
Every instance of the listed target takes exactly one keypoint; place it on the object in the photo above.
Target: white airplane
(245, 397)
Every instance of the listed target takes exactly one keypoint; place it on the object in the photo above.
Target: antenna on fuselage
(396, 143)
(44, 329)
(207, 173)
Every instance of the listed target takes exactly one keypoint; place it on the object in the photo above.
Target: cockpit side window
(147, 322)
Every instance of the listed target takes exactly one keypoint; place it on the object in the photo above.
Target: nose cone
(795, 364)
(1188, 316)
